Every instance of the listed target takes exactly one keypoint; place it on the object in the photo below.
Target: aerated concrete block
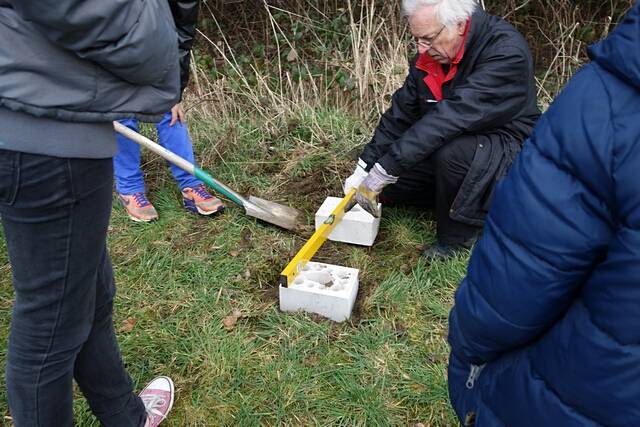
(358, 226)
(324, 289)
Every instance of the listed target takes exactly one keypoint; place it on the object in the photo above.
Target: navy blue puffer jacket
(545, 330)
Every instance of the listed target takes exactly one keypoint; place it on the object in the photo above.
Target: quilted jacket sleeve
(133, 39)
(550, 222)
(401, 115)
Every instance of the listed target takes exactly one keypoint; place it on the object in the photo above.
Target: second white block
(357, 227)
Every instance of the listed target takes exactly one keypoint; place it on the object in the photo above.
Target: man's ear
(460, 27)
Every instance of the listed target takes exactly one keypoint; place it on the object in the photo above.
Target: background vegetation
(283, 96)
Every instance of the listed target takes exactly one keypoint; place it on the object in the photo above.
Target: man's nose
(422, 49)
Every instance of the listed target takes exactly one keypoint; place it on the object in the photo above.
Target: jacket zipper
(474, 373)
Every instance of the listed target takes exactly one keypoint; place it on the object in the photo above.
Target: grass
(180, 277)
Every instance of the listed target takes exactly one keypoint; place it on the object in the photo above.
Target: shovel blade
(274, 213)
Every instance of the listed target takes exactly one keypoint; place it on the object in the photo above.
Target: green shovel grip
(211, 182)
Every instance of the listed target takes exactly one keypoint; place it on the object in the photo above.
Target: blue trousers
(55, 214)
(128, 175)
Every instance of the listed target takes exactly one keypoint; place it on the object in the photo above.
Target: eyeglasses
(427, 42)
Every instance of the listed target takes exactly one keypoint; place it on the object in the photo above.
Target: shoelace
(152, 402)
(202, 192)
(141, 200)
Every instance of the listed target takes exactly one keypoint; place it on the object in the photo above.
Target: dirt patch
(265, 273)
(364, 291)
(311, 361)
(310, 189)
(245, 239)
(308, 183)
(270, 295)
(332, 253)
(400, 329)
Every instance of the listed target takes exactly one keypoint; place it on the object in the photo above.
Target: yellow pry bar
(314, 243)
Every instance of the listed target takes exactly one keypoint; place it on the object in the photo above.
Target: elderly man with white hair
(457, 123)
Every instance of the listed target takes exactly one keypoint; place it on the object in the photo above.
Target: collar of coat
(436, 77)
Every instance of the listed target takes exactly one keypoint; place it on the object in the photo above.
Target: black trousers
(434, 184)
(55, 214)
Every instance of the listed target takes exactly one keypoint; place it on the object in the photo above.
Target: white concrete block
(358, 226)
(324, 289)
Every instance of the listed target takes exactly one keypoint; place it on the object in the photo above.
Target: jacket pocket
(9, 176)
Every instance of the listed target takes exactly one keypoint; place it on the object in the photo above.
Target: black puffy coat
(185, 16)
(493, 94)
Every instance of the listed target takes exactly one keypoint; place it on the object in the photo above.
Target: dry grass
(374, 61)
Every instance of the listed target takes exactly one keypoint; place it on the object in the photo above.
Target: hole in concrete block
(322, 277)
(313, 278)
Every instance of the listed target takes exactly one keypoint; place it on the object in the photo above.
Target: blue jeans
(55, 214)
(129, 176)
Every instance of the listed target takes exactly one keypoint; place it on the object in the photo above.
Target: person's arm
(185, 16)
(134, 40)
(401, 115)
(488, 99)
(551, 221)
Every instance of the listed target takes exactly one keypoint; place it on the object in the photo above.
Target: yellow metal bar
(314, 243)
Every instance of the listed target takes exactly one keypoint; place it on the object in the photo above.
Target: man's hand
(371, 187)
(177, 113)
(356, 178)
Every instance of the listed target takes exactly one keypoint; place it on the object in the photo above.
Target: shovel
(274, 213)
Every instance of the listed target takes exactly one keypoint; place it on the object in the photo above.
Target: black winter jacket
(493, 93)
(185, 16)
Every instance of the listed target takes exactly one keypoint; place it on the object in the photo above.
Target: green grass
(179, 277)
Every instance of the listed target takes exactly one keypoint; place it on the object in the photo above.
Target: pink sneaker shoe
(157, 397)
(138, 207)
(198, 200)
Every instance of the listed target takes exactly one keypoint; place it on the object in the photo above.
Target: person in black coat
(456, 124)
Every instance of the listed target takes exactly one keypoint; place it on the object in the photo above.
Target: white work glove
(371, 187)
(356, 178)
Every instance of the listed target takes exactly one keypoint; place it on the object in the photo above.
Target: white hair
(449, 12)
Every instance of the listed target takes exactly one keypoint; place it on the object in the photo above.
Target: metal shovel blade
(274, 213)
